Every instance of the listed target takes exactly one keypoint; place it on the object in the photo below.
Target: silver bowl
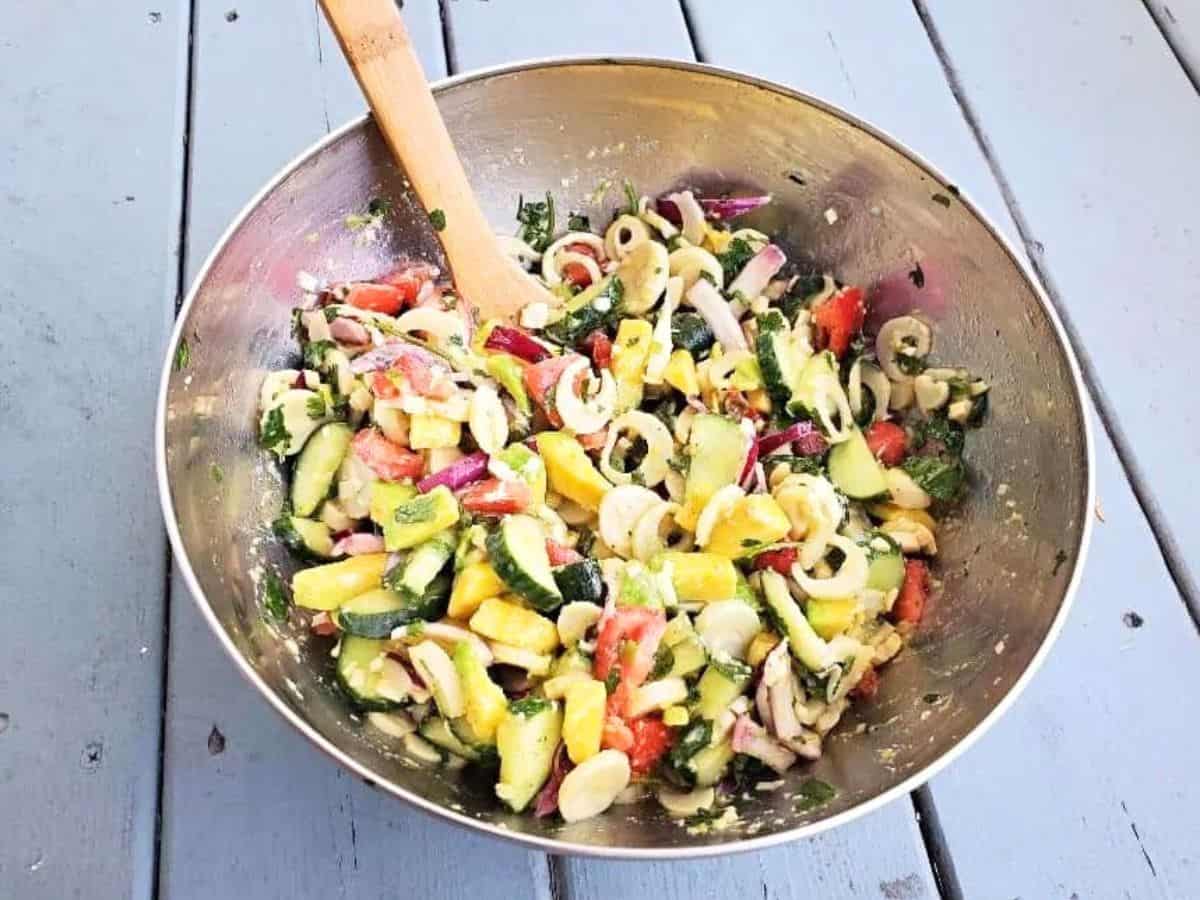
(1009, 561)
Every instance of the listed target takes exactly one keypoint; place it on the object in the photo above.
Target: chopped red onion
(458, 474)
(358, 544)
(716, 312)
(516, 342)
(718, 209)
(803, 436)
(348, 331)
(757, 274)
(383, 357)
(547, 800)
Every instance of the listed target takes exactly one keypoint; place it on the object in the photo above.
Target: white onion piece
(437, 671)
(580, 416)
(756, 274)
(682, 805)
(903, 332)
(394, 724)
(716, 312)
(625, 233)
(650, 216)
(619, 512)
(829, 397)
(487, 420)
(864, 374)
(716, 507)
(551, 269)
(647, 541)
(521, 658)
(692, 214)
(728, 626)
(660, 346)
(654, 695)
(446, 636)
(752, 236)
(317, 325)
(442, 324)
(653, 468)
(689, 262)
(851, 576)
(592, 786)
(575, 619)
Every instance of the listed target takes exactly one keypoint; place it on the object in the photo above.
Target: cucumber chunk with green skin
(885, 568)
(806, 645)
(778, 359)
(527, 466)
(689, 657)
(580, 582)
(722, 682)
(355, 676)
(855, 470)
(709, 765)
(526, 740)
(690, 332)
(517, 551)
(809, 386)
(375, 613)
(413, 577)
(307, 538)
(444, 734)
(717, 452)
(317, 465)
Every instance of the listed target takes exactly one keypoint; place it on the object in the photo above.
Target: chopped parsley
(943, 430)
(419, 509)
(694, 739)
(631, 198)
(537, 222)
(611, 682)
(183, 355)
(940, 477)
(274, 596)
(437, 218)
(274, 435)
(813, 794)
(315, 351)
(578, 222)
(316, 407)
(664, 661)
(735, 257)
(528, 706)
(217, 473)
(747, 771)
(910, 364)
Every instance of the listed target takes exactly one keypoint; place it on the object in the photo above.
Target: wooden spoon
(377, 46)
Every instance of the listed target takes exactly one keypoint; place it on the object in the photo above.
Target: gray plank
(268, 816)
(91, 125)
(1180, 24)
(1099, 148)
(832, 865)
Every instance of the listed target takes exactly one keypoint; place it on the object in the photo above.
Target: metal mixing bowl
(1008, 562)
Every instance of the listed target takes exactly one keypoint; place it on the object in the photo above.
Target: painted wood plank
(832, 865)
(876, 71)
(1102, 162)
(91, 126)
(250, 810)
(486, 33)
(1180, 24)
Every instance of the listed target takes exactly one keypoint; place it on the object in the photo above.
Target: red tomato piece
(839, 319)
(383, 387)
(389, 461)
(781, 560)
(594, 440)
(323, 625)
(887, 442)
(409, 280)
(495, 497)
(644, 627)
(380, 298)
(651, 739)
(868, 685)
(425, 379)
(599, 348)
(577, 274)
(561, 554)
(914, 592)
(585, 249)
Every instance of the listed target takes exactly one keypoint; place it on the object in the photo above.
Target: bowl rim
(561, 846)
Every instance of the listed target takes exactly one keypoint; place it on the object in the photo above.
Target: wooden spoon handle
(377, 46)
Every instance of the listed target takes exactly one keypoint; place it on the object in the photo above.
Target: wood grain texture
(249, 809)
(90, 187)
(832, 865)
(889, 74)
(1096, 129)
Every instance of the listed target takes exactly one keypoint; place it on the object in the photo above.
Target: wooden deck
(134, 761)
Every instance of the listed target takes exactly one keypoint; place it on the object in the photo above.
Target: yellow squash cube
(750, 524)
(427, 432)
(475, 583)
(680, 373)
(583, 719)
(570, 471)
(701, 577)
(508, 623)
(329, 586)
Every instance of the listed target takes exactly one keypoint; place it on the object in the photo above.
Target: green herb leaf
(693, 739)
(183, 355)
(940, 478)
(316, 407)
(314, 353)
(537, 222)
(664, 661)
(611, 682)
(939, 428)
(274, 435)
(416, 510)
(528, 706)
(735, 257)
(813, 794)
(274, 596)
(748, 771)
(437, 218)
(578, 222)
(631, 198)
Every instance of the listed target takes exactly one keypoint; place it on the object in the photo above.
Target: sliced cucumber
(885, 569)
(307, 538)
(413, 577)
(709, 765)
(580, 582)
(809, 387)
(526, 739)
(374, 614)
(778, 360)
(717, 452)
(855, 470)
(517, 551)
(443, 733)
(355, 673)
(806, 645)
(317, 465)
(689, 657)
(690, 332)
(722, 682)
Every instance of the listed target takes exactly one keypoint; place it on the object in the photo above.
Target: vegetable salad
(653, 538)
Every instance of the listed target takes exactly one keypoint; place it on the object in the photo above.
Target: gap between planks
(1168, 549)
(180, 290)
